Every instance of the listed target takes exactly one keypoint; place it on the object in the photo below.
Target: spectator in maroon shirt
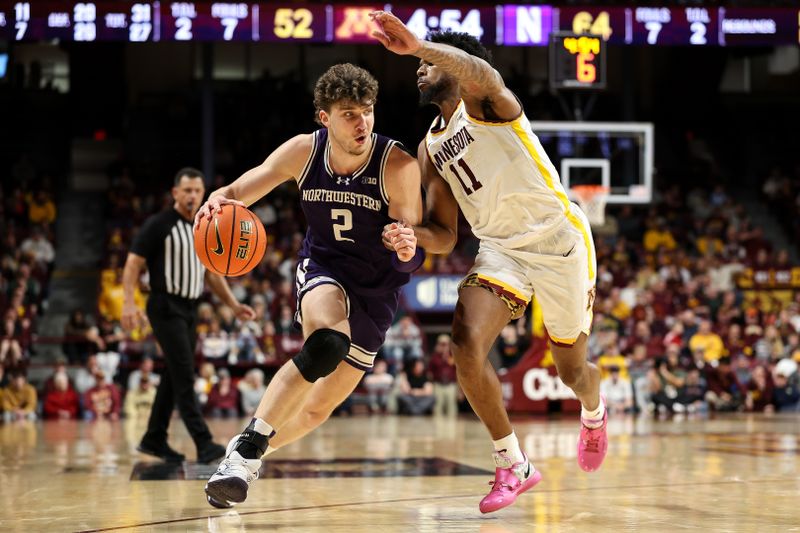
(442, 369)
(62, 400)
(60, 368)
(223, 400)
(642, 335)
(759, 391)
(734, 343)
(725, 392)
(753, 331)
(102, 400)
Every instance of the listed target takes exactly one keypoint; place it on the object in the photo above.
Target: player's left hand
(393, 34)
(244, 312)
(403, 240)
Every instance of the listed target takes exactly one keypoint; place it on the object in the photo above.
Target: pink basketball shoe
(510, 480)
(593, 444)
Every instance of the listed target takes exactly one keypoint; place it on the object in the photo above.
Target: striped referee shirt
(166, 242)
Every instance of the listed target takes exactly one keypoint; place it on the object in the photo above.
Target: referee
(165, 244)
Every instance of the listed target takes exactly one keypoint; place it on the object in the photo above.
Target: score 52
(577, 61)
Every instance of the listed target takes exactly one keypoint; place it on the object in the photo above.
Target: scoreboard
(509, 25)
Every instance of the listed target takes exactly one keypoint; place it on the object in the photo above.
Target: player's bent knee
(321, 354)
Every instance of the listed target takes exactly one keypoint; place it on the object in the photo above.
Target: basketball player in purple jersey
(352, 183)
(482, 156)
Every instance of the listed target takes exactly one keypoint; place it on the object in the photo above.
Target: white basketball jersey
(505, 184)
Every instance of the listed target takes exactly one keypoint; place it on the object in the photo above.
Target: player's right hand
(212, 207)
(393, 34)
(132, 317)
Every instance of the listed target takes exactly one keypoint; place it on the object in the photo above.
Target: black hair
(462, 41)
(189, 172)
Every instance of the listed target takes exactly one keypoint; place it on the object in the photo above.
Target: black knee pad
(321, 354)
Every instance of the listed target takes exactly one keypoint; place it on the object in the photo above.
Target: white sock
(594, 419)
(510, 444)
(262, 427)
(270, 450)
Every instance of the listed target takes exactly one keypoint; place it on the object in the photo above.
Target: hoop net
(592, 199)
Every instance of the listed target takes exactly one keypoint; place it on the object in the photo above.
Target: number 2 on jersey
(471, 175)
(346, 223)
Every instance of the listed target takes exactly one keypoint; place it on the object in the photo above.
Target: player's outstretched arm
(480, 83)
(285, 163)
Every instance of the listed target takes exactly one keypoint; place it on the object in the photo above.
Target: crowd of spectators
(27, 214)
(673, 330)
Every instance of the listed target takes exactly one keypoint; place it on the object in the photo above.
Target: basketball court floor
(393, 474)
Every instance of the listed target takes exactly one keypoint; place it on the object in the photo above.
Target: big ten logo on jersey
(368, 180)
(245, 232)
(353, 23)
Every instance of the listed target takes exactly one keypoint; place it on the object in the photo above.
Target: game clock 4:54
(478, 22)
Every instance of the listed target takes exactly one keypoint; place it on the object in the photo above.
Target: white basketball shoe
(228, 486)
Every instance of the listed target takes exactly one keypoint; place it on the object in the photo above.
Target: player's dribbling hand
(403, 240)
(212, 207)
(393, 34)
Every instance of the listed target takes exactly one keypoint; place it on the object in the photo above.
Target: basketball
(232, 243)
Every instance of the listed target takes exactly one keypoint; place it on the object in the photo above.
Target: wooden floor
(737, 473)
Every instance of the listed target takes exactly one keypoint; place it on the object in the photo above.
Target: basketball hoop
(592, 199)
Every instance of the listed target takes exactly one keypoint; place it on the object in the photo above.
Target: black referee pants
(174, 323)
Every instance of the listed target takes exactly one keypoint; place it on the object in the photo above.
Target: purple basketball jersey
(346, 215)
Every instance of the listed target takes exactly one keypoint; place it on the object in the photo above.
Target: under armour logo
(341, 180)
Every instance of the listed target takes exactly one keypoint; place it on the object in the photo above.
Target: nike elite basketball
(232, 243)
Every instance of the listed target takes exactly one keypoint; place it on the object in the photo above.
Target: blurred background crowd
(677, 327)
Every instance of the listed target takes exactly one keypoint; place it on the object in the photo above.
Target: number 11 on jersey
(471, 175)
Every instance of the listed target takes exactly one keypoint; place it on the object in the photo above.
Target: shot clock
(577, 61)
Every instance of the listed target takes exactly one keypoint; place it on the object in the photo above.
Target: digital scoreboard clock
(577, 61)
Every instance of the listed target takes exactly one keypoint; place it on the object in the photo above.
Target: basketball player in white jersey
(481, 155)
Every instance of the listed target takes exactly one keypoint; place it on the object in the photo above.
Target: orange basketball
(232, 243)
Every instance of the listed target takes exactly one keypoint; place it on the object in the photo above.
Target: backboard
(617, 155)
